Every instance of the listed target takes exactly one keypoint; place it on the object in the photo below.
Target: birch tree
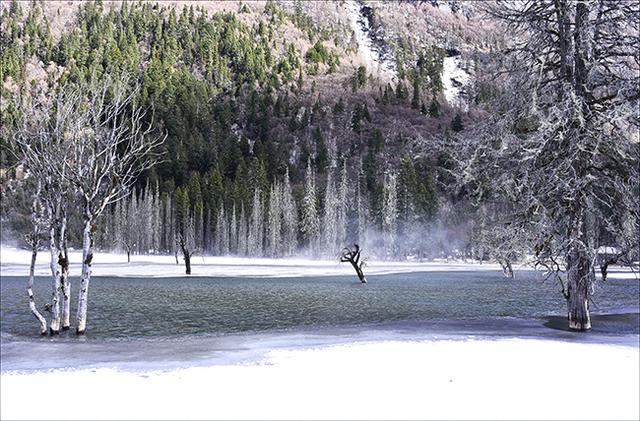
(112, 147)
(47, 126)
(561, 147)
(33, 239)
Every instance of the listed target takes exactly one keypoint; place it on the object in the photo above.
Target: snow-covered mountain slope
(371, 49)
(455, 77)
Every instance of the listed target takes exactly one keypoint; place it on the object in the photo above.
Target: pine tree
(233, 231)
(310, 224)
(329, 227)
(390, 214)
(362, 208)
(242, 232)
(274, 222)
(342, 207)
(289, 218)
(256, 228)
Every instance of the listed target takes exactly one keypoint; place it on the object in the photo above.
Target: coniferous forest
(273, 147)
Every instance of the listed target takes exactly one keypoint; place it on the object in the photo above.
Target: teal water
(185, 318)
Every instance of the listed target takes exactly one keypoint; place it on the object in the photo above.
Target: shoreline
(15, 262)
(383, 379)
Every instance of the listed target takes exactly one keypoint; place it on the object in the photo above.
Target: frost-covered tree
(106, 146)
(362, 207)
(33, 239)
(49, 122)
(310, 223)
(273, 247)
(329, 223)
(222, 232)
(255, 235)
(242, 232)
(342, 207)
(289, 218)
(233, 231)
(390, 214)
(560, 149)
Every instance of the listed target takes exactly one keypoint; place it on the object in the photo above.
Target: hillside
(248, 92)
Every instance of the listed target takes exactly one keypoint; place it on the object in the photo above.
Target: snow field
(473, 379)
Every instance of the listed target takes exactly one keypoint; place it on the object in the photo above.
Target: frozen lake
(136, 321)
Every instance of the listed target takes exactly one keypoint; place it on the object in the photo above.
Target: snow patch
(454, 79)
(372, 55)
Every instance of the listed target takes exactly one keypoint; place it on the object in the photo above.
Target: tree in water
(352, 255)
(113, 146)
(38, 224)
(560, 148)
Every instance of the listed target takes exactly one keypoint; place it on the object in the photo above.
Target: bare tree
(33, 240)
(113, 146)
(46, 126)
(352, 255)
(560, 147)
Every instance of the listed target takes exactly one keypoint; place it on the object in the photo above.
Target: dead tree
(111, 146)
(40, 136)
(352, 255)
(33, 240)
(559, 144)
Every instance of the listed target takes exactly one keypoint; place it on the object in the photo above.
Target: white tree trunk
(87, 257)
(32, 304)
(64, 276)
(56, 274)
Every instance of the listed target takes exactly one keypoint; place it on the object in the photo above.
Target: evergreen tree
(289, 218)
(310, 223)
(274, 222)
(456, 124)
(342, 207)
(390, 214)
(256, 228)
(329, 226)
(242, 232)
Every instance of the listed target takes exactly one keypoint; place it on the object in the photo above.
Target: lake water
(138, 320)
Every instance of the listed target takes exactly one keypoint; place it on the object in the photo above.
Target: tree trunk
(56, 273)
(579, 280)
(359, 272)
(128, 256)
(87, 256)
(32, 304)
(63, 261)
(187, 260)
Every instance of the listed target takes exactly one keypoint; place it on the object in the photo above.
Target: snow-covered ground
(371, 57)
(15, 262)
(454, 78)
(446, 379)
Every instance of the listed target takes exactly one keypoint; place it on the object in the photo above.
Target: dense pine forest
(275, 144)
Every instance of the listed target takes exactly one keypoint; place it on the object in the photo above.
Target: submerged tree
(33, 240)
(48, 125)
(562, 149)
(352, 255)
(112, 147)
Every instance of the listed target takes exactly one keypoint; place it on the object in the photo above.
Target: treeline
(275, 223)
